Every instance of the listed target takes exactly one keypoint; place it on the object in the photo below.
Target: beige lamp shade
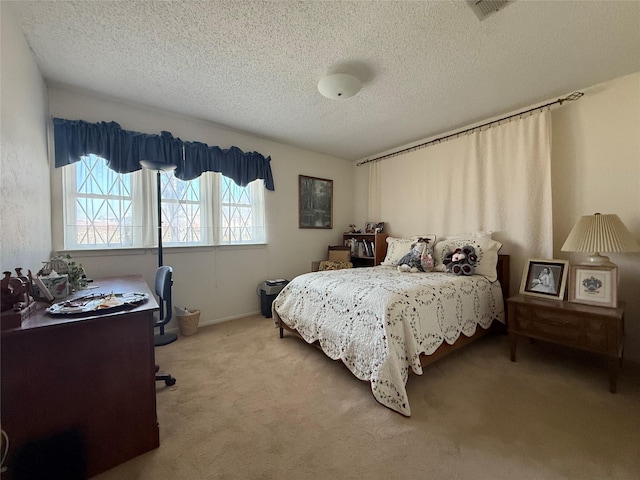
(600, 233)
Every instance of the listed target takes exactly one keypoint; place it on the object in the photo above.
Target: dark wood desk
(91, 374)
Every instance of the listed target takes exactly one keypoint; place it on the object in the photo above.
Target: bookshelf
(362, 258)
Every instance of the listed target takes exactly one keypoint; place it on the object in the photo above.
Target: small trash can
(189, 322)
(269, 290)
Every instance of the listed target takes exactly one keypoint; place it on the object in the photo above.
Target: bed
(382, 323)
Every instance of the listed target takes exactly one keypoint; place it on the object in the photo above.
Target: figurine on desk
(15, 291)
(16, 301)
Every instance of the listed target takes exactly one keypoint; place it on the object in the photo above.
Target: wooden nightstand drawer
(552, 318)
(592, 328)
(596, 325)
(558, 333)
(596, 343)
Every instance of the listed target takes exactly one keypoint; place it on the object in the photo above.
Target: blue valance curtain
(123, 150)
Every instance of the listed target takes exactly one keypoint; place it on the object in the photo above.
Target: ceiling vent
(484, 8)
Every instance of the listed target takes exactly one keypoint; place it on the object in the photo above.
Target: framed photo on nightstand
(594, 285)
(545, 278)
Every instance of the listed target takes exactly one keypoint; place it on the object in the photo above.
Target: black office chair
(164, 281)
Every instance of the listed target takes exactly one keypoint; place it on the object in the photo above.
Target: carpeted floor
(249, 405)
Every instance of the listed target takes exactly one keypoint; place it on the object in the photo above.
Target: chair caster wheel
(170, 381)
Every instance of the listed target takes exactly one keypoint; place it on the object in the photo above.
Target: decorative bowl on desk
(97, 303)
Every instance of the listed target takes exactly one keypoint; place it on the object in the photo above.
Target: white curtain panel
(497, 179)
(374, 190)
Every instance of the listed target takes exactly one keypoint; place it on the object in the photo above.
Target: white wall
(220, 281)
(596, 168)
(595, 158)
(25, 226)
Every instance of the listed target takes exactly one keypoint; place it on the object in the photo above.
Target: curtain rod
(571, 97)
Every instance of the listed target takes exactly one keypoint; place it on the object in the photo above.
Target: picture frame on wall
(594, 285)
(545, 278)
(315, 202)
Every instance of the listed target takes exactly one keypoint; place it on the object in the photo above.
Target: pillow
(399, 247)
(396, 249)
(412, 261)
(419, 258)
(427, 236)
(486, 251)
(327, 265)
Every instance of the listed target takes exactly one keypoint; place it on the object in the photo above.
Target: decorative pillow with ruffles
(486, 250)
(398, 248)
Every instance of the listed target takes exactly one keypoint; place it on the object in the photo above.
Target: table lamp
(600, 233)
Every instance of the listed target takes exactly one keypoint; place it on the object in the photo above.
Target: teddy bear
(418, 257)
(461, 261)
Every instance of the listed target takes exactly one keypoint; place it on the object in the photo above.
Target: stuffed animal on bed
(419, 258)
(462, 261)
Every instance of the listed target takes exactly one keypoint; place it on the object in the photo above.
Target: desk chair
(163, 284)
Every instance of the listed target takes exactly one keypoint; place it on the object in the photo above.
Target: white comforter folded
(378, 320)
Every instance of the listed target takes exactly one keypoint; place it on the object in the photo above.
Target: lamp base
(597, 259)
(164, 339)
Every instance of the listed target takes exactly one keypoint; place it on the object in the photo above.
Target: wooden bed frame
(445, 349)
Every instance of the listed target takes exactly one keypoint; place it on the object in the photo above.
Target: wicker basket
(189, 323)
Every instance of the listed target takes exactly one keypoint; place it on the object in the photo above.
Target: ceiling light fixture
(339, 85)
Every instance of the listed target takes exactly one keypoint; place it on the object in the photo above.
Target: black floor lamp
(162, 338)
(158, 167)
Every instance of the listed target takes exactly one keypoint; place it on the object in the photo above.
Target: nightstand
(586, 327)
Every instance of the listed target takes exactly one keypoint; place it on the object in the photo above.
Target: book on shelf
(368, 249)
(362, 249)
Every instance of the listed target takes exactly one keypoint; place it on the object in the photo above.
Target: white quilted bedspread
(378, 320)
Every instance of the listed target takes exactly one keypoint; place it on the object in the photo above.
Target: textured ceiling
(427, 67)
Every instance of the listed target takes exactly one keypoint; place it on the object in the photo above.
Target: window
(98, 206)
(181, 213)
(241, 212)
(105, 209)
